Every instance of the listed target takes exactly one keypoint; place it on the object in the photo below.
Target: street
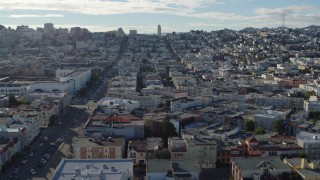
(68, 129)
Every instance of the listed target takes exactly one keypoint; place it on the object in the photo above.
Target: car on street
(40, 165)
(45, 139)
(40, 145)
(32, 171)
(24, 161)
(30, 154)
(45, 158)
(50, 151)
(16, 170)
(43, 161)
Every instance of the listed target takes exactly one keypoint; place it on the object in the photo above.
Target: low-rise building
(202, 150)
(8, 148)
(140, 150)
(78, 169)
(172, 169)
(257, 168)
(118, 125)
(303, 168)
(91, 148)
(310, 142)
(183, 103)
(266, 119)
(177, 148)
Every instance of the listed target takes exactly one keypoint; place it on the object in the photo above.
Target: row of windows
(178, 154)
(210, 148)
(10, 90)
(133, 155)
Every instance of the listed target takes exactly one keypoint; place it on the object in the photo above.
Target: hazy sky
(172, 15)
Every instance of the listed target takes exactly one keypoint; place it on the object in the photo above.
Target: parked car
(30, 154)
(45, 138)
(16, 170)
(24, 161)
(32, 171)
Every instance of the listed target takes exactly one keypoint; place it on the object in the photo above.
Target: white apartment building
(30, 126)
(117, 103)
(14, 89)
(181, 104)
(310, 142)
(79, 77)
(266, 119)
(51, 86)
(312, 104)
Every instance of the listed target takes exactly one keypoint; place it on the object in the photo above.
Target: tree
(164, 154)
(52, 120)
(249, 125)
(12, 101)
(168, 129)
(308, 94)
(278, 126)
(259, 130)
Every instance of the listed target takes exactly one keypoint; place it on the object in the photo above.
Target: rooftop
(85, 141)
(161, 166)
(249, 164)
(77, 169)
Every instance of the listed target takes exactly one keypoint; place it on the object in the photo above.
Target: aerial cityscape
(159, 90)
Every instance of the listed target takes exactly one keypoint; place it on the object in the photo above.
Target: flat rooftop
(78, 169)
(178, 166)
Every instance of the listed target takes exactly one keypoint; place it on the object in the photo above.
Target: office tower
(159, 31)
(48, 26)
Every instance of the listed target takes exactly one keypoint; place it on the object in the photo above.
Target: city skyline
(145, 15)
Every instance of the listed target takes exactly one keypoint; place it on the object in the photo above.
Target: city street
(72, 121)
(68, 129)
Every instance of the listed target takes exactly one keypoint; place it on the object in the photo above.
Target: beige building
(90, 148)
(42, 110)
(204, 151)
(140, 150)
(177, 148)
(257, 168)
(303, 168)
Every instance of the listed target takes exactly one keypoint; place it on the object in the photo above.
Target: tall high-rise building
(48, 26)
(159, 31)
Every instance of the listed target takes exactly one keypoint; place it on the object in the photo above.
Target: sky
(173, 15)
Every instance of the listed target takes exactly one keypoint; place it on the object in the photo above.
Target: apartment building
(310, 142)
(98, 148)
(257, 168)
(140, 150)
(201, 150)
(177, 148)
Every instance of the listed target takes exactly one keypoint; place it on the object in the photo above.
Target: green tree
(150, 129)
(52, 120)
(12, 101)
(278, 126)
(168, 129)
(259, 130)
(302, 155)
(164, 154)
(308, 94)
(249, 125)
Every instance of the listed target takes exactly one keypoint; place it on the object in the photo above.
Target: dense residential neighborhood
(200, 105)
